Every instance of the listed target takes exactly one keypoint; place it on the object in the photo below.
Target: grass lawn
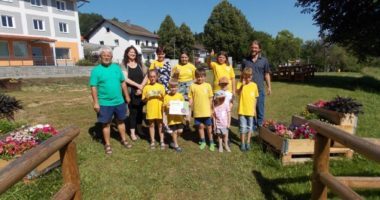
(141, 173)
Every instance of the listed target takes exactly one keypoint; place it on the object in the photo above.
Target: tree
(87, 21)
(227, 29)
(287, 47)
(185, 41)
(168, 33)
(354, 24)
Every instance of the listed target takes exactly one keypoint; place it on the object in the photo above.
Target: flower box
(52, 162)
(345, 121)
(16, 143)
(294, 150)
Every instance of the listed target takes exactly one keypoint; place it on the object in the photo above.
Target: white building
(39, 32)
(120, 35)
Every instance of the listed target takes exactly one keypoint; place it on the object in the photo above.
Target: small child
(175, 122)
(200, 99)
(247, 107)
(153, 94)
(221, 119)
(224, 85)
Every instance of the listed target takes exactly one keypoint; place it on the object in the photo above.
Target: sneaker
(202, 145)
(242, 147)
(212, 147)
(178, 149)
(167, 130)
(248, 146)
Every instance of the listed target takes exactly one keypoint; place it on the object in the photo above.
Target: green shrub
(8, 126)
(85, 62)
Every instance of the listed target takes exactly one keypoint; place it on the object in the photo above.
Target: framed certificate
(178, 108)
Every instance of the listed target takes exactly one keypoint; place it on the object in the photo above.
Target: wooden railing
(322, 179)
(293, 73)
(63, 142)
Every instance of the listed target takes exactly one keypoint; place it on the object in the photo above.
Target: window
(117, 42)
(20, 49)
(153, 44)
(38, 24)
(137, 42)
(36, 2)
(63, 27)
(108, 29)
(147, 43)
(62, 53)
(7, 21)
(4, 50)
(61, 5)
(101, 42)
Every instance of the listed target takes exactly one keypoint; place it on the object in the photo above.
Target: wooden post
(70, 171)
(320, 165)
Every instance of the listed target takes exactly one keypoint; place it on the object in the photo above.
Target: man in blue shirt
(107, 84)
(260, 68)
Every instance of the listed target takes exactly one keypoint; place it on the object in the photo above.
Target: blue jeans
(260, 108)
(246, 124)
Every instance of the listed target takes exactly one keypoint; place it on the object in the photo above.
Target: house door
(38, 56)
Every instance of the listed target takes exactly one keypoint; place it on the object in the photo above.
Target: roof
(23, 37)
(129, 28)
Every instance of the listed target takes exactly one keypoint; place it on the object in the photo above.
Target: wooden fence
(293, 73)
(322, 179)
(63, 142)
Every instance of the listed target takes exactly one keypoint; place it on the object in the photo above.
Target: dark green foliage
(8, 106)
(185, 41)
(168, 33)
(344, 105)
(87, 21)
(354, 24)
(227, 29)
(287, 47)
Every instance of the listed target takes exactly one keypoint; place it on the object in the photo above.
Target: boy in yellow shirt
(153, 94)
(200, 99)
(174, 122)
(247, 107)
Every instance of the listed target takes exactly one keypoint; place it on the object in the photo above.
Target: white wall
(125, 40)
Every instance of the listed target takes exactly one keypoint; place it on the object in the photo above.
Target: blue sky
(270, 16)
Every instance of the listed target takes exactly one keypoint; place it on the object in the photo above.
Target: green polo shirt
(107, 81)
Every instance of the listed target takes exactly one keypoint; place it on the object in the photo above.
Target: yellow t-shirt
(186, 72)
(154, 94)
(247, 99)
(201, 95)
(155, 64)
(220, 71)
(173, 119)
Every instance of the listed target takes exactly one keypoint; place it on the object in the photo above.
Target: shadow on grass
(271, 187)
(365, 83)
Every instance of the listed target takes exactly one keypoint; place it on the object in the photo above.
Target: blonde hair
(247, 72)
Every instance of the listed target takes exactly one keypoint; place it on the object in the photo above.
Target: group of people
(118, 90)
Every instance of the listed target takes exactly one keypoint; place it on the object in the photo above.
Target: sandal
(108, 149)
(152, 145)
(126, 144)
(162, 145)
(178, 149)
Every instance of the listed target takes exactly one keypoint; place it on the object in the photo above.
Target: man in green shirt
(107, 87)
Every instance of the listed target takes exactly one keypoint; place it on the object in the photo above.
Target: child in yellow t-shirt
(247, 107)
(222, 68)
(153, 94)
(174, 122)
(200, 99)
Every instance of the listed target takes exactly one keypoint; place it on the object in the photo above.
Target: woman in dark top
(135, 76)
